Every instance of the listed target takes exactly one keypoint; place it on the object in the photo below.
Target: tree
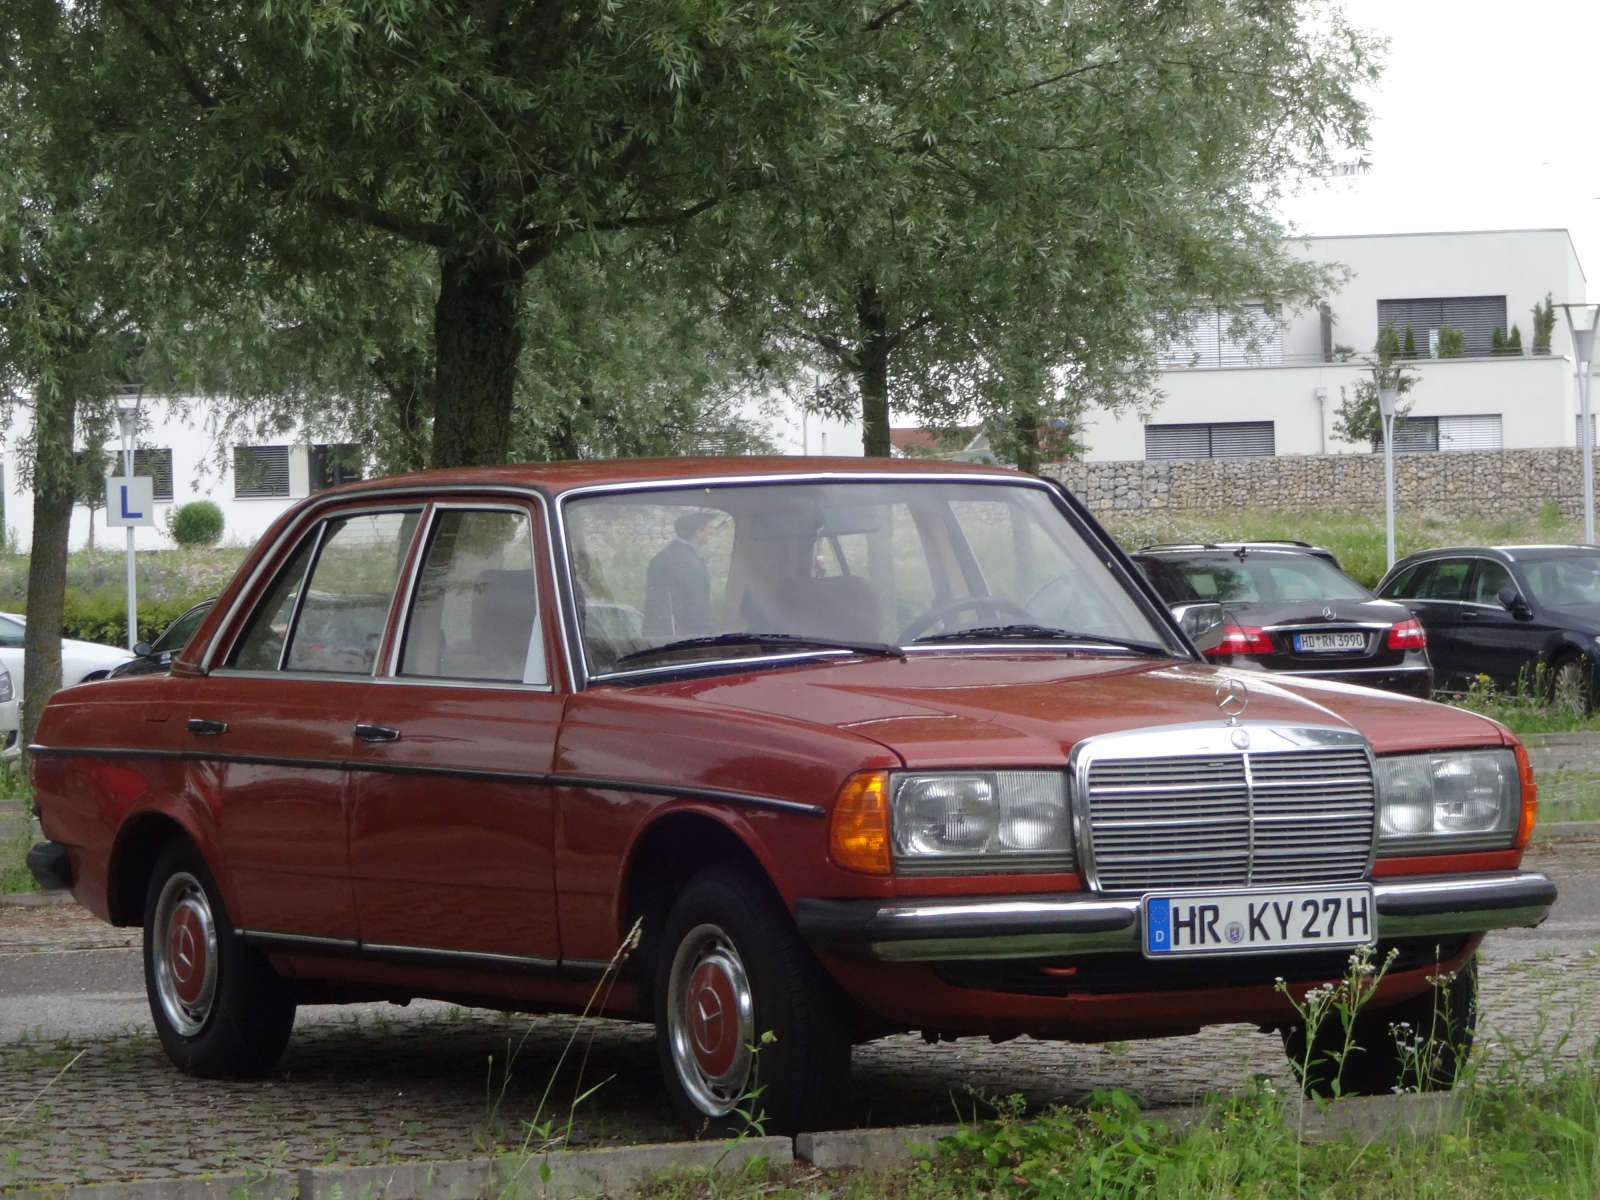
(1031, 194)
(488, 133)
(1544, 324)
(1359, 418)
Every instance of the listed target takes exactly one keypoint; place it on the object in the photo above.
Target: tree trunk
(1025, 435)
(477, 338)
(872, 371)
(407, 379)
(55, 415)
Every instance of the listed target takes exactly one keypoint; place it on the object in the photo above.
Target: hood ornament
(1233, 697)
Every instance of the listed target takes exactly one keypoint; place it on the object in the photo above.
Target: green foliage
(104, 618)
(1410, 348)
(1544, 324)
(198, 523)
(1501, 343)
(1452, 342)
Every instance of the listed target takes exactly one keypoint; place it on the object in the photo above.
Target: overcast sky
(1488, 117)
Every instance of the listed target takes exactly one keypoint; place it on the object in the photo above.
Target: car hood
(975, 709)
(1295, 612)
(108, 655)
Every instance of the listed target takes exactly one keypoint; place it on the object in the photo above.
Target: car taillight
(1407, 635)
(1242, 639)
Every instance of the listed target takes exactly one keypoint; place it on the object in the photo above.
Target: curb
(870, 1149)
(35, 899)
(1369, 1118)
(1568, 831)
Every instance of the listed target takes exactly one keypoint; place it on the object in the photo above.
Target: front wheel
(220, 1009)
(1419, 1044)
(749, 1028)
(1572, 686)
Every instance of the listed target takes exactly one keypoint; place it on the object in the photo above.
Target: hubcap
(711, 1020)
(1569, 688)
(183, 947)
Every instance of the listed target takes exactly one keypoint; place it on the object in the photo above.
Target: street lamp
(128, 419)
(1388, 397)
(1582, 325)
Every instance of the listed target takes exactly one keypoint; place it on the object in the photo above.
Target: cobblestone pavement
(376, 1081)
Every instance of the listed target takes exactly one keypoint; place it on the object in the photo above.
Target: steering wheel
(998, 605)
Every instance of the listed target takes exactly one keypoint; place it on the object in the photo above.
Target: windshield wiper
(1040, 633)
(785, 640)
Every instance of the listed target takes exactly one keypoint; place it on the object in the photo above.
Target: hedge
(102, 617)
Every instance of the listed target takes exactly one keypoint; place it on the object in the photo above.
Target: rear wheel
(731, 971)
(220, 1010)
(1419, 1044)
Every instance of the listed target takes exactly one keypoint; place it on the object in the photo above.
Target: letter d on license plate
(1257, 919)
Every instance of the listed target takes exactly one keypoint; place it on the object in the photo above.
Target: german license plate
(1328, 642)
(1240, 922)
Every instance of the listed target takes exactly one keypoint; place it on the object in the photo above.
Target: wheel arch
(133, 858)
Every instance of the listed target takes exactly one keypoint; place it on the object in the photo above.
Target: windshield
(1250, 578)
(1564, 582)
(870, 562)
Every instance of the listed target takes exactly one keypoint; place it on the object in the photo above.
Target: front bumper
(937, 930)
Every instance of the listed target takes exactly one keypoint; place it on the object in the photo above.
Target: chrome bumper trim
(932, 930)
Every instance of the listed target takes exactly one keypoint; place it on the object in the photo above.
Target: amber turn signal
(858, 836)
(1530, 798)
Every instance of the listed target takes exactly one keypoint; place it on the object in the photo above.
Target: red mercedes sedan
(821, 749)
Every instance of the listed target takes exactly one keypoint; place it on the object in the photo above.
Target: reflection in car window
(1491, 577)
(863, 562)
(1255, 578)
(475, 612)
(261, 647)
(342, 614)
(1565, 582)
(1444, 579)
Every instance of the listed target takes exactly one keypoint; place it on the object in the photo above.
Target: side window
(347, 597)
(11, 635)
(475, 612)
(1448, 580)
(1491, 578)
(1399, 588)
(261, 647)
(177, 635)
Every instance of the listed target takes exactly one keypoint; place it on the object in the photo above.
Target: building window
(1423, 434)
(260, 471)
(1227, 439)
(1412, 435)
(158, 465)
(1211, 341)
(1476, 316)
(333, 464)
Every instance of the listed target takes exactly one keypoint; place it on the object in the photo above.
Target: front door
(1493, 641)
(453, 831)
(272, 729)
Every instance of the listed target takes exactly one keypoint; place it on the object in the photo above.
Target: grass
(1356, 538)
(1569, 796)
(15, 800)
(183, 576)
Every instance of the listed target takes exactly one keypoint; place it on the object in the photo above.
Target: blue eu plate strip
(1158, 926)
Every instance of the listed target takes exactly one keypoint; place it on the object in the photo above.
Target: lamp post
(1388, 397)
(1582, 325)
(128, 419)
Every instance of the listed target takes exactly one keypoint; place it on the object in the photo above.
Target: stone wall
(1483, 483)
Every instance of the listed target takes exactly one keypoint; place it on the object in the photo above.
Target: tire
(1419, 1044)
(731, 969)
(1572, 685)
(220, 1009)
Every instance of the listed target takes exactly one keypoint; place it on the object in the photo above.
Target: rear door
(453, 832)
(272, 728)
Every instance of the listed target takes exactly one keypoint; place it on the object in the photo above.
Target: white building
(1278, 391)
(252, 479)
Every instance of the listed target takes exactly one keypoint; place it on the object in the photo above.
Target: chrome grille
(1230, 819)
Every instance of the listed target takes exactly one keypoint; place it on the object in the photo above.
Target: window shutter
(1177, 441)
(1470, 433)
(1232, 439)
(260, 471)
(158, 465)
(1476, 316)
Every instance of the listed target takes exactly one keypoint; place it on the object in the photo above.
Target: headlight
(5, 686)
(980, 820)
(1435, 802)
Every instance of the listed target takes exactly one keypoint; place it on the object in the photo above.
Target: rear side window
(1445, 579)
(475, 615)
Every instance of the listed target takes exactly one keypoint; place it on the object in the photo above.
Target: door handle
(205, 727)
(1469, 614)
(377, 733)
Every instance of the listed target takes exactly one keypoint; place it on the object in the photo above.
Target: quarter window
(346, 603)
(475, 612)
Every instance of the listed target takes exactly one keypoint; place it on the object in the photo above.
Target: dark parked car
(1290, 608)
(890, 746)
(1525, 616)
(156, 657)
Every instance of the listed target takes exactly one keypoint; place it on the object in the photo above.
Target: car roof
(557, 478)
(1508, 554)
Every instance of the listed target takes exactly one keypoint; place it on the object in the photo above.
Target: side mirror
(1511, 600)
(1204, 623)
(142, 649)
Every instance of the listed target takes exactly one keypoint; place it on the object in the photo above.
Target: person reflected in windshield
(677, 597)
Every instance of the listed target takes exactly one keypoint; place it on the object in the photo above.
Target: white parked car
(81, 662)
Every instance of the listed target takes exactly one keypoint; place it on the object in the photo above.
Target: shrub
(103, 617)
(1452, 342)
(198, 523)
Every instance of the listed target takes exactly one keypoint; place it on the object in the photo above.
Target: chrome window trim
(577, 657)
(1207, 737)
(293, 627)
(391, 669)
